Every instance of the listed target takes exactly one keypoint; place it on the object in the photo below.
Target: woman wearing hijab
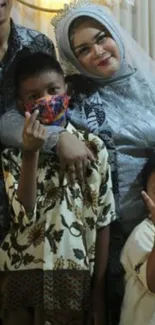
(120, 78)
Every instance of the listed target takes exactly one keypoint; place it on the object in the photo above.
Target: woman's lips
(104, 61)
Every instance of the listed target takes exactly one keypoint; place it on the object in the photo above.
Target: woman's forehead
(87, 23)
(87, 29)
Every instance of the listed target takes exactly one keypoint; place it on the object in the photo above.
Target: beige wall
(138, 20)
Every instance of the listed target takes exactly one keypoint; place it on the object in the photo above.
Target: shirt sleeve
(136, 251)
(11, 172)
(42, 43)
(106, 204)
(11, 129)
(141, 272)
(102, 177)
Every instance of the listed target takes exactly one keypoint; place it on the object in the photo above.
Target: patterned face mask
(52, 109)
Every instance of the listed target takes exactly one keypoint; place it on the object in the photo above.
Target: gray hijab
(100, 14)
(91, 109)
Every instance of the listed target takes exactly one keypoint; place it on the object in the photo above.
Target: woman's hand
(73, 156)
(34, 133)
(150, 205)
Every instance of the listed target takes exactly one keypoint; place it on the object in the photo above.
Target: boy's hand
(150, 205)
(34, 133)
(73, 155)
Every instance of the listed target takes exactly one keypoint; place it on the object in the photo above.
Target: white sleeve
(138, 247)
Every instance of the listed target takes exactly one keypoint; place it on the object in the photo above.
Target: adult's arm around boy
(72, 152)
(34, 135)
(11, 129)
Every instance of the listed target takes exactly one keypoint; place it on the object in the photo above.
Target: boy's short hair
(148, 169)
(33, 64)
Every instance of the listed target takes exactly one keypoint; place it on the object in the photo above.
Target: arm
(106, 214)
(102, 250)
(28, 180)
(34, 135)
(70, 150)
(11, 129)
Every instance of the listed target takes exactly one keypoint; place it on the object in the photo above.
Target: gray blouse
(129, 109)
(132, 120)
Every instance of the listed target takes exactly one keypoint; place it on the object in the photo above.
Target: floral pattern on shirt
(60, 234)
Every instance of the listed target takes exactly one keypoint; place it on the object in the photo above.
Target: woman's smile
(105, 60)
(96, 50)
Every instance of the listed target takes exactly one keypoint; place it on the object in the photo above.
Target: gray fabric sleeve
(11, 128)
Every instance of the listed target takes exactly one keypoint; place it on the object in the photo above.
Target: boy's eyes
(33, 97)
(53, 90)
(50, 91)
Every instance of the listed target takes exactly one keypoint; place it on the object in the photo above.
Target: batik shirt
(53, 248)
(21, 41)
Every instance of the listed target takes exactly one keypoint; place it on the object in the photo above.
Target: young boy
(138, 260)
(59, 233)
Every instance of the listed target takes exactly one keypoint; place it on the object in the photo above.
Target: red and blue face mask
(52, 109)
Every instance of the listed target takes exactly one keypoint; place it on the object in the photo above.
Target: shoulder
(93, 142)
(140, 242)
(33, 39)
(22, 31)
(143, 235)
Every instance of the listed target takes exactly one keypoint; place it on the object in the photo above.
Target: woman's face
(95, 49)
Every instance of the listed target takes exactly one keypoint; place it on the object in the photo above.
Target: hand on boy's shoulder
(34, 133)
(73, 155)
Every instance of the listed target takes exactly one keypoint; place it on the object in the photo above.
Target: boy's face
(41, 85)
(151, 186)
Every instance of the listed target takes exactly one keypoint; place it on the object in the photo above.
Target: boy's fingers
(30, 119)
(36, 126)
(27, 117)
(150, 204)
(43, 132)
